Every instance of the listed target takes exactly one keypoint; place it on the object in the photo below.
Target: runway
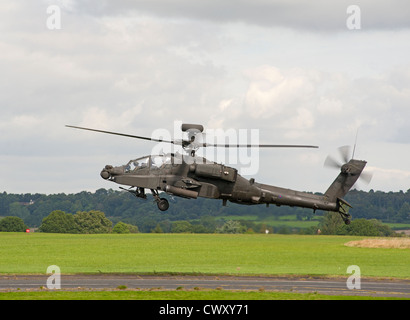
(328, 286)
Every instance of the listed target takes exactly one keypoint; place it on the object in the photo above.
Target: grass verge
(176, 295)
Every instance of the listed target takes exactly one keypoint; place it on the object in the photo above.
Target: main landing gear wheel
(163, 204)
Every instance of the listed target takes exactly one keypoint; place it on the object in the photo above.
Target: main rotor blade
(122, 134)
(186, 143)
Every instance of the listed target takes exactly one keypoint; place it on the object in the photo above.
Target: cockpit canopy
(153, 162)
(148, 162)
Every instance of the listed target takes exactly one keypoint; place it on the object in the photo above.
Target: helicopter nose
(105, 173)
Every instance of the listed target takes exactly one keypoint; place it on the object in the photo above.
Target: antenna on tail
(355, 141)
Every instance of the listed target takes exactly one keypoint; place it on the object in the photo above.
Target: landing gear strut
(162, 203)
(345, 217)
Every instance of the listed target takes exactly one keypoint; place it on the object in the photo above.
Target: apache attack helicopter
(190, 176)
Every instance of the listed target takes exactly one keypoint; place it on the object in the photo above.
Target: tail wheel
(345, 216)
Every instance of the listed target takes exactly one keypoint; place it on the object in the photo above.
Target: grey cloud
(306, 15)
(117, 66)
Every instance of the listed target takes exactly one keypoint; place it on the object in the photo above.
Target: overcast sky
(295, 70)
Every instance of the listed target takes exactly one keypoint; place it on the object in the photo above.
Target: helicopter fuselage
(191, 177)
(198, 177)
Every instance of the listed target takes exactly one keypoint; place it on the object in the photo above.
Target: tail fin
(349, 174)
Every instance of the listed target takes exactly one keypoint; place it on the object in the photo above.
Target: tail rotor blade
(332, 163)
(366, 177)
(345, 153)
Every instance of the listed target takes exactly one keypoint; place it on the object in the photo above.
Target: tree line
(95, 222)
(200, 215)
(92, 222)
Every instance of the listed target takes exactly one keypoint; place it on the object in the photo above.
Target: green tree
(284, 230)
(209, 223)
(157, 229)
(330, 223)
(404, 212)
(231, 226)
(58, 222)
(122, 227)
(12, 224)
(92, 222)
(18, 210)
(181, 227)
(364, 227)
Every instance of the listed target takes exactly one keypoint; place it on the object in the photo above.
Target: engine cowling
(181, 192)
(216, 171)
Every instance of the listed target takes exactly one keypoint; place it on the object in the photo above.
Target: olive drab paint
(190, 176)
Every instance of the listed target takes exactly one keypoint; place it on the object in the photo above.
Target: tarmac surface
(329, 286)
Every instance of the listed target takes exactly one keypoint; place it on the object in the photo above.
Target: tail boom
(293, 198)
(332, 200)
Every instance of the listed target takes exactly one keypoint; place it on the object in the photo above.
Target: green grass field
(245, 254)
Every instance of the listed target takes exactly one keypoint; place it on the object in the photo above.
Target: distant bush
(333, 224)
(181, 227)
(231, 226)
(364, 227)
(58, 222)
(82, 222)
(12, 224)
(122, 227)
(92, 222)
(330, 223)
